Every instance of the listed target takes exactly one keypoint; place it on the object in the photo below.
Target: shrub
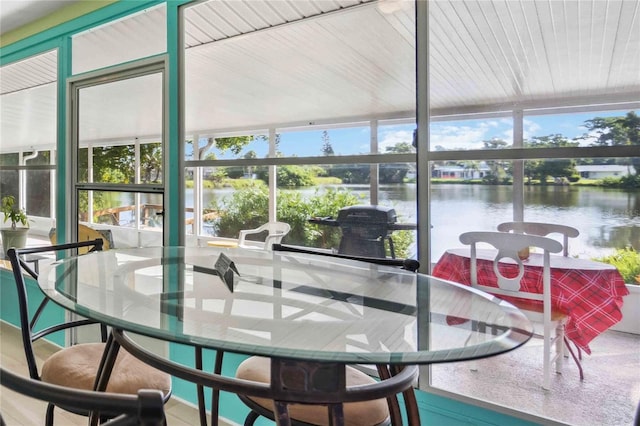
(627, 261)
(248, 208)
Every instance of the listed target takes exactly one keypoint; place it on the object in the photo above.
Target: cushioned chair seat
(258, 369)
(76, 367)
(532, 306)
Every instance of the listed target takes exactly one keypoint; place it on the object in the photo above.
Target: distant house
(460, 172)
(603, 171)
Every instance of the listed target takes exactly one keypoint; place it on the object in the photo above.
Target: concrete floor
(608, 395)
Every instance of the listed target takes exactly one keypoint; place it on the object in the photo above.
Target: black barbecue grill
(365, 229)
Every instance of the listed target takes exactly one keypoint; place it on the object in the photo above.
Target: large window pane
(325, 142)
(38, 197)
(598, 128)
(488, 133)
(122, 212)
(9, 183)
(228, 147)
(110, 114)
(605, 210)
(28, 137)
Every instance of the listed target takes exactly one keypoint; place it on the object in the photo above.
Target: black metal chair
(408, 264)
(76, 366)
(146, 408)
(374, 412)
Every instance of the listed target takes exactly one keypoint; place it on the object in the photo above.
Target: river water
(606, 218)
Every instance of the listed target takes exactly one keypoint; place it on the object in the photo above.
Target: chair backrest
(145, 408)
(28, 322)
(408, 264)
(542, 229)
(86, 233)
(508, 246)
(276, 231)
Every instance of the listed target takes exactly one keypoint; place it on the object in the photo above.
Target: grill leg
(391, 248)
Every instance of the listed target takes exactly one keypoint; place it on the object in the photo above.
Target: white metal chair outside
(553, 321)
(542, 229)
(275, 233)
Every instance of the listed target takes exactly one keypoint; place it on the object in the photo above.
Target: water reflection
(606, 218)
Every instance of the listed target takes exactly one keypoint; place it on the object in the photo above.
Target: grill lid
(367, 215)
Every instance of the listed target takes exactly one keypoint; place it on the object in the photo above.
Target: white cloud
(530, 129)
(393, 137)
(464, 136)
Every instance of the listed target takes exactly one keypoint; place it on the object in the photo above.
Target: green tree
(248, 208)
(235, 144)
(611, 131)
(557, 168)
(294, 176)
(400, 148)
(150, 162)
(497, 172)
(249, 156)
(327, 149)
(495, 143)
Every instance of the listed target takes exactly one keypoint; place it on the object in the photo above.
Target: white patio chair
(275, 233)
(553, 321)
(542, 229)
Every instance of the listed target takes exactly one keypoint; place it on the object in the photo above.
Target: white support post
(518, 167)
(272, 177)
(374, 180)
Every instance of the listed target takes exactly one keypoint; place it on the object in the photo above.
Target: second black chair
(76, 366)
(373, 412)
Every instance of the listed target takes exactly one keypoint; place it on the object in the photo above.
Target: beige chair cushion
(258, 369)
(76, 367)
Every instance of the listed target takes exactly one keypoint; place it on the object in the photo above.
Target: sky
(466, 134)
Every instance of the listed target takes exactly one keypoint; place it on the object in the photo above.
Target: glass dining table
(307, 313)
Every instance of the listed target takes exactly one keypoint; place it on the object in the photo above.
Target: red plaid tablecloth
(589, 292)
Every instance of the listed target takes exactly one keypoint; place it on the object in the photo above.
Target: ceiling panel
(32, 72)
(261, 63)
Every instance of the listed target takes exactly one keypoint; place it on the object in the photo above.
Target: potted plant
(15, 236)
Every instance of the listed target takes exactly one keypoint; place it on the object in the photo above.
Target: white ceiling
(16, 13)
(260, 63)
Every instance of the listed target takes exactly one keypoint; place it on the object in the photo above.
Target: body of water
(606, 218)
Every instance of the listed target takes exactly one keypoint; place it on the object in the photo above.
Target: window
(27, 150)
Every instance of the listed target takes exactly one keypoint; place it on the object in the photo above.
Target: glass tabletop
(296, 306)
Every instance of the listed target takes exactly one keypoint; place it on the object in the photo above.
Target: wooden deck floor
(20, 410)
